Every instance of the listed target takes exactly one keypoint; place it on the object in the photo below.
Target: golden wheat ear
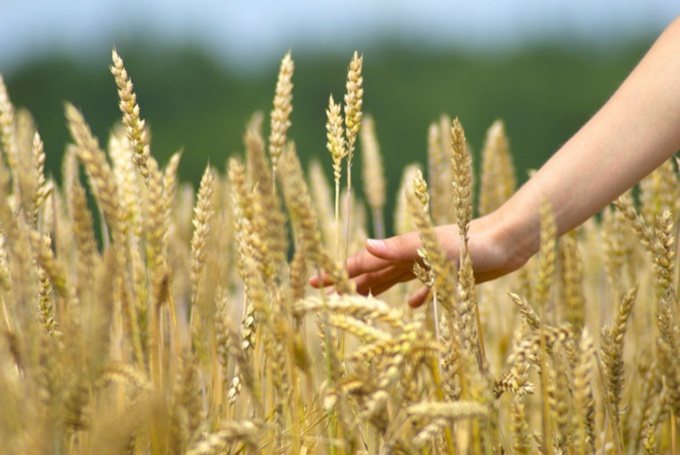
(97, 167)
(280, 115)
(134, 125)
(439, 171)
(461, 167)
(373, 175)
(203, 214)
(498, 172)
(7, 138)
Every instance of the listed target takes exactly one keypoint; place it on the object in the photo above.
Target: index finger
(365, 262)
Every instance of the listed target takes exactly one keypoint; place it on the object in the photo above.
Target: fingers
(382, 264)
(318, 281)
(377, 283)
(365, 262)
(396, 249)
(380, 254)
(418, 297)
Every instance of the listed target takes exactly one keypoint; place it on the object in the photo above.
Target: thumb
(399, 248)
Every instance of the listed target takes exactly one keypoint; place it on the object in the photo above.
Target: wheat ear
(280, 115)
(584, 400)
(353, 113)
(461, 167)
(203, 214)
(498, 173)
(546, 265)
(572, 281)
(338, 149)
(374, 179)
(439, 171)
(612, 362)
(105, 190)
(7, 138)
(134, 125)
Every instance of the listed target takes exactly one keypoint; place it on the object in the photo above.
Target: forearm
(631, 135)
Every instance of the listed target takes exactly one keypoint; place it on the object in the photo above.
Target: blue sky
(260, 30)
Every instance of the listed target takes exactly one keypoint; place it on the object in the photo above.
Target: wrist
(516, 233)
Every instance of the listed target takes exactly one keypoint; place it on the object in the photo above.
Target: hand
(385, 263)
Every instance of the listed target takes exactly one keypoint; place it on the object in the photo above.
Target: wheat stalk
(280, 115)
(374, 180)
(337, 147)
(92, 361)
(498, 172)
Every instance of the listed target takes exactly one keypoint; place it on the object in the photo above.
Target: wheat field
(164, 319)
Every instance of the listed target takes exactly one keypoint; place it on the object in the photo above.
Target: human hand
(385, 263)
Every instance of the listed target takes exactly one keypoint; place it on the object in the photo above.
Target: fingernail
(376, 244)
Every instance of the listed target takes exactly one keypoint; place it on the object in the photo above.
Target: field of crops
(162, 319)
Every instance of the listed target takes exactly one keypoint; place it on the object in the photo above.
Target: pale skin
(630, 136)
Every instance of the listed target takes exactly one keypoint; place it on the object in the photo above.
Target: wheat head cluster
(164, 320)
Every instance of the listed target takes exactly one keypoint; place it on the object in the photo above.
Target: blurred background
(201, 68)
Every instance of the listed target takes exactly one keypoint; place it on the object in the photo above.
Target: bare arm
(630, 136)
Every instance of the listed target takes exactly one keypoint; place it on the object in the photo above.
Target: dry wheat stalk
(649, 440)
(5, 281)
(338, 149)
(439, 171)
(225, 437)
(134, 125)
(614, 231)
(519, 425)
(526, 310)
(637, 222)
(104, 188)
(304, 220)
(353, 104)
(322, 196)
(268, 218)
(353, 113)
(84, 363)
(667, 322)
(664, 250)
(612, 360)
(432, 249)
(498, 173)
(280, 115)
(546, 265)
(41, 188)
(571, 274)
(365, 308)
(126, 177)
(7, 138)
(83, 230)
(584, 401)
(97, 167)
(559, 397)
(42, 247)
(659, 190)
(461, 167)
(423, 272)
(170, 181)
(156, 225)
(671, 372)
(204, 212)
(373, 175)
(403, 220)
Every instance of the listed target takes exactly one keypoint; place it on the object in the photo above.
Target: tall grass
(190, 327)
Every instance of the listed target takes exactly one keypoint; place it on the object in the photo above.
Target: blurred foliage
(543, 92)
